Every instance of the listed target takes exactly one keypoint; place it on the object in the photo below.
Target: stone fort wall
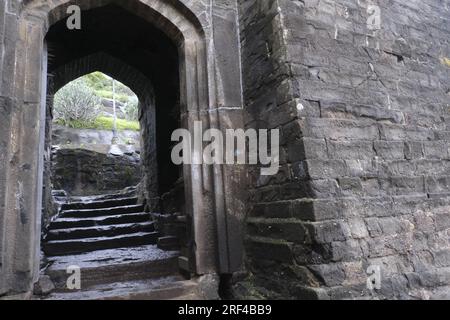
(365, 133)
(364, 116)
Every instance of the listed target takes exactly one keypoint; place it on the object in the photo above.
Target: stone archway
(210, 92)
(131, 77)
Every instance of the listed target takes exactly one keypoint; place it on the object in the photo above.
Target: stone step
(174, 291)
(131, 193)
(100, 204)
(99, 231)
(69, 223)
(66, 247)
(114, 265)
(160, 289)
(91, 213)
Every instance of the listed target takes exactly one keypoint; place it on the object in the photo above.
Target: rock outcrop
(84, 172)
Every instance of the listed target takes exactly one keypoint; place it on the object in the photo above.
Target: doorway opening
(168, 55)
(113, 202)
(95, 137)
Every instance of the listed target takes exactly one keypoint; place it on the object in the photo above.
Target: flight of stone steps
(98, 223)
(113, 242)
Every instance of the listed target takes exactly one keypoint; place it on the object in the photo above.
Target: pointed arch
(204, 96)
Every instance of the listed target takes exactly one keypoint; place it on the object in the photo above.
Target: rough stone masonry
(364, 115)
(365, 128)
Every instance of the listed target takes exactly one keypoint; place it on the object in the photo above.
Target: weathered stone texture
(365, 131)
(82, 172)
(190, 56)
(364, 121)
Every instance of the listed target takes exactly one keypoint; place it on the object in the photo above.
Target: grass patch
(103, 123)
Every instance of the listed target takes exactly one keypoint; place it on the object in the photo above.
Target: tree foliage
(76, 102)
(131, 109)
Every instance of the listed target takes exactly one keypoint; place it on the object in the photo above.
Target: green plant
(76, 104)
(131, 109)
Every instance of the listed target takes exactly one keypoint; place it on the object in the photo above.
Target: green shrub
(76, 104)
(131, 109)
